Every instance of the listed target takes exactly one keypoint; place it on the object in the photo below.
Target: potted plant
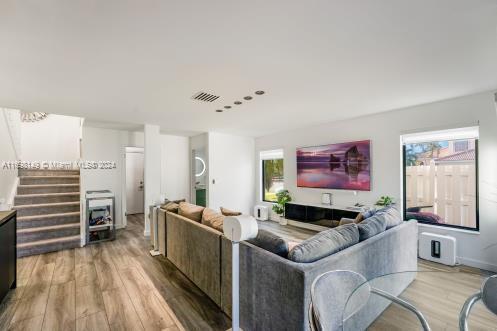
(384, 201)
(282, 197)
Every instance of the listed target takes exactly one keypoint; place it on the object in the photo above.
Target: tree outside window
(272, 177)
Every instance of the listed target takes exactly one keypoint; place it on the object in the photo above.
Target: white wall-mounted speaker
(437, 248)
(261, 213)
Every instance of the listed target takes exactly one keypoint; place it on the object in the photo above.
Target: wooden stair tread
(54, 204)
(48, 228)
(49, 241)
(31, 217)
(34, 195)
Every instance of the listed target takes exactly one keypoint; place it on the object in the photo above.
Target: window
(461, 145)
(441, 178)
(272, 174)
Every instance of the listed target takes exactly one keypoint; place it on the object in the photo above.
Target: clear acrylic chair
(333, 290)
(487, 294)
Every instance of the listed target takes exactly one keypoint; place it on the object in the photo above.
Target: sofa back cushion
(270, 242)
(228, 212)
(325, 243)
(371, 227)
(213, 219)
(191, 211)
(390, 215)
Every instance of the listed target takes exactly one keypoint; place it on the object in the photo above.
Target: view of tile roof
(468, 155)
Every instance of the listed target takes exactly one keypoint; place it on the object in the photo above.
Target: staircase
(48, 212)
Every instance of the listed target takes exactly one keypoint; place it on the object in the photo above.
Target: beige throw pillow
(171, 207)
(213, 219)
(227, 212)
(191, 211)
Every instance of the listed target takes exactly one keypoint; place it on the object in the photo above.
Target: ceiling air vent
(207, 97)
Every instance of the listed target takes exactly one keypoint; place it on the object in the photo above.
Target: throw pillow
(171, 207)
(390, 215)
(227, 212)
(270, 242)
(191, 211)
(371, 227)
(359, 218)
(213, 219)
(425, 216)
(325, 244)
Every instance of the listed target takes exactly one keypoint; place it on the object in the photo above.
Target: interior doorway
(199, 177)
(134, 180)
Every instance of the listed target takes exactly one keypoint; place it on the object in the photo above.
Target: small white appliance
(437, 248)
(261, 213)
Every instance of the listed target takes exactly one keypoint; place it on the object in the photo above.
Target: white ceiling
(136, 61)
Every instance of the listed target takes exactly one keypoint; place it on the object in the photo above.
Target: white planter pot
(282, 220)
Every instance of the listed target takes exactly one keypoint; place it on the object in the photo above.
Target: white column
(152, 170)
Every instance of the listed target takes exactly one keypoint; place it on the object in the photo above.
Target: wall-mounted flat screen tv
(344, 166)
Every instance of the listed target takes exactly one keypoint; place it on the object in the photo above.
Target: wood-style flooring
(118, 286)
(439, 292)
(114, 285)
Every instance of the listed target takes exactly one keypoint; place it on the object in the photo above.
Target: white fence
(448, 189)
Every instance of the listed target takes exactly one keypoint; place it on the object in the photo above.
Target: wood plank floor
(439, 292)
(109, 286)
(118, 286)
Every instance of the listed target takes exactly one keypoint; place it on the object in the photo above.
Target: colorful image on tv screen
(344, 166)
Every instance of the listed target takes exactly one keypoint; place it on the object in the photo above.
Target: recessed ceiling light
(259, 92)
(219, 110)
(227, 107)
(248, 97)
(237, 103)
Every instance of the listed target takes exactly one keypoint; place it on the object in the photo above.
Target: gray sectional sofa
(274, 291)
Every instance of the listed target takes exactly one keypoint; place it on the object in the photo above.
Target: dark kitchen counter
(6, 215)
(8, 252)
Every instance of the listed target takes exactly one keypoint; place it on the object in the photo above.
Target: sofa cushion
(170, 206)
(371, 227)
(227, 212)
(390, 215)
(191, 211)
(213, 219)
(270, 242)
(325, 243)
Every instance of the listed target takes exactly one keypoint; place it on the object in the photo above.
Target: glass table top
(439, 296)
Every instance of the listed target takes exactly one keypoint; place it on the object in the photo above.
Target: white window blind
(441, 135)
(272, 154)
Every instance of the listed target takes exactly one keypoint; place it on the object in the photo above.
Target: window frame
(450, 226)
(263, 190)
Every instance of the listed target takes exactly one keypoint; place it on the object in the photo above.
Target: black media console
(323, 215)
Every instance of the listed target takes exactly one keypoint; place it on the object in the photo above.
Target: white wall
(231, 172)
(384, 131)
(55, 138)
(152, 170)
(107, 145)
(9, 151)
(175, 167)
